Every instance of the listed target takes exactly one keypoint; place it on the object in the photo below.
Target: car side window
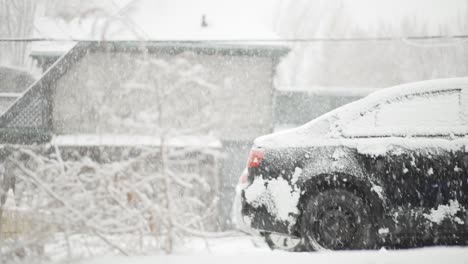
(432, 113)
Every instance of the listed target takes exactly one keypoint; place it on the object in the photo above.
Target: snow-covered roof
(155, 20)
(115, 140)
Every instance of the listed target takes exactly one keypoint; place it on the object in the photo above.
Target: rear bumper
(236, 214)
(260, 219)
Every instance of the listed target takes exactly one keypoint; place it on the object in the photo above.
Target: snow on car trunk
(446, 212)
(277, 195)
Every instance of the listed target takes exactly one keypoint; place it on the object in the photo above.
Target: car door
(420, 163)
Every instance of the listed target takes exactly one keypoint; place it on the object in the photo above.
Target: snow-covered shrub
(135, 195)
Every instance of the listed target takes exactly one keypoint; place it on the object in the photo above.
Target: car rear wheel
(337, 219)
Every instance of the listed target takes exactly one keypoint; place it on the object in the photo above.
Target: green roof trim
(199, 47)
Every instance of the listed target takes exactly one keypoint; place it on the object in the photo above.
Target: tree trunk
(167, 193)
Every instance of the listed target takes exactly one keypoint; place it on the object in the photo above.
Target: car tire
(335, 220)
(285, 243)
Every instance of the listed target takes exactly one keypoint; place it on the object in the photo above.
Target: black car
(390, 169)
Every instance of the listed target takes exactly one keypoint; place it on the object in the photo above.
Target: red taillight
(255, 158)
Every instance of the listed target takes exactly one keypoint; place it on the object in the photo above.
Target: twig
(51, 193)
(112, 245)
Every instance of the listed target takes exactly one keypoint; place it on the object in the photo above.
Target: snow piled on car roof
(334, 127)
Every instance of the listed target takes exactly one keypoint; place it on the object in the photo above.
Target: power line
(434, 37)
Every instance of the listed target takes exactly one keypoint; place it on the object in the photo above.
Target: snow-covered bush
(136, 196)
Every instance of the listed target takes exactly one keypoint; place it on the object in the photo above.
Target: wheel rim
(336, 227)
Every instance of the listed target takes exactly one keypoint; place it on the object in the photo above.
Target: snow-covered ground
(243, 250)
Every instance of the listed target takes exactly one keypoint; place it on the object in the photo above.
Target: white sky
(254, 18)
(433, 13)
(228, 19)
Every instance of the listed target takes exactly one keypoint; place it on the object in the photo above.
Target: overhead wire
(463, 38)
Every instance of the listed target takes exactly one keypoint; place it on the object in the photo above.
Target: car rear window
(431, 113)
(437, 109)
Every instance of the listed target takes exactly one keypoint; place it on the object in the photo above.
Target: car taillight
(255, 158)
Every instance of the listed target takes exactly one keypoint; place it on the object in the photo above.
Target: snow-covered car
(390, 169)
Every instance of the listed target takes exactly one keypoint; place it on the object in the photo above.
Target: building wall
(96, 85)
(294, 108)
